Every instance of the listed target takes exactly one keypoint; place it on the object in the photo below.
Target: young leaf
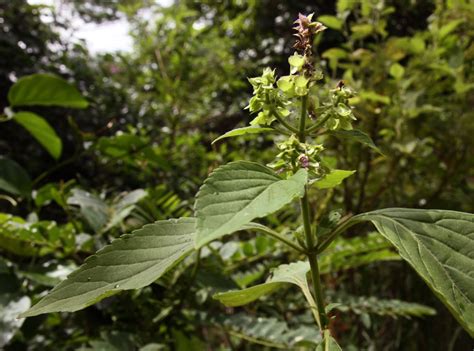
(333, 179)
(357, 136)
(331, 22)
(13, 178)
(439, 245)
(242, 131)
(130, 262)
(239, 192)
(293, 273)
(397, 71)
(45, 90)
(40, 129)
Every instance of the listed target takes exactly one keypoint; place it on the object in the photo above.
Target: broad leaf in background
(331, 22)
(439, 245)
(365, 305)
(40, 129)
(239, 192)
(243, 131)
(130, 262)
(45, 90)
(333, 179)
(123, 206)
(101, 216)
(268, 331)
(13, 178)
(357, 136)
(354, 252)
(293, 273)
(92, 208)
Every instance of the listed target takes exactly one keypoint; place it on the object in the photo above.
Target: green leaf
(357, 136)
(293, 273)
(449, 27)
(329, 343)
(45, 90)
(354, 252)
(40, 129)
(93, 209)
(242, 131)
(439, 245)
(331, 22)
(360, 31)
(269, 332)
(397, 71)
(123, 207)
(382, 307)
(130, 262)
(33, 238)
(296, 61)
(285, 83)
(335, 54)
(333, 179)
(239, 192)
(375, 97)
(13, 178)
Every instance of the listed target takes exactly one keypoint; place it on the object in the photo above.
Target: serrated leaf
(293, 273)
(130, 262)
(243, 131)
(239, 192)
(357, 136)
(13, 178)
(333, 179)
(45, 90)
(40, 129)
(439, 245)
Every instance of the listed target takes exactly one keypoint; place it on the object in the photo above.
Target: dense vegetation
(129, 142)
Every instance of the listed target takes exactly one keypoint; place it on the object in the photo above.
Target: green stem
(318, 124)
(304, 111)
(310, 239)
(340, 228)
(265, 230)
(282, 121)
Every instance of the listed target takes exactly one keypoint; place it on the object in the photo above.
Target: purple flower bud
(304, 161)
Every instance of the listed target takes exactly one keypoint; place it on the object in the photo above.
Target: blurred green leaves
(45, 90)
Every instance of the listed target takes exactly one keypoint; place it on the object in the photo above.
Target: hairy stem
(310, 239)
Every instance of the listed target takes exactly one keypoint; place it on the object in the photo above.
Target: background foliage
(140, 150)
